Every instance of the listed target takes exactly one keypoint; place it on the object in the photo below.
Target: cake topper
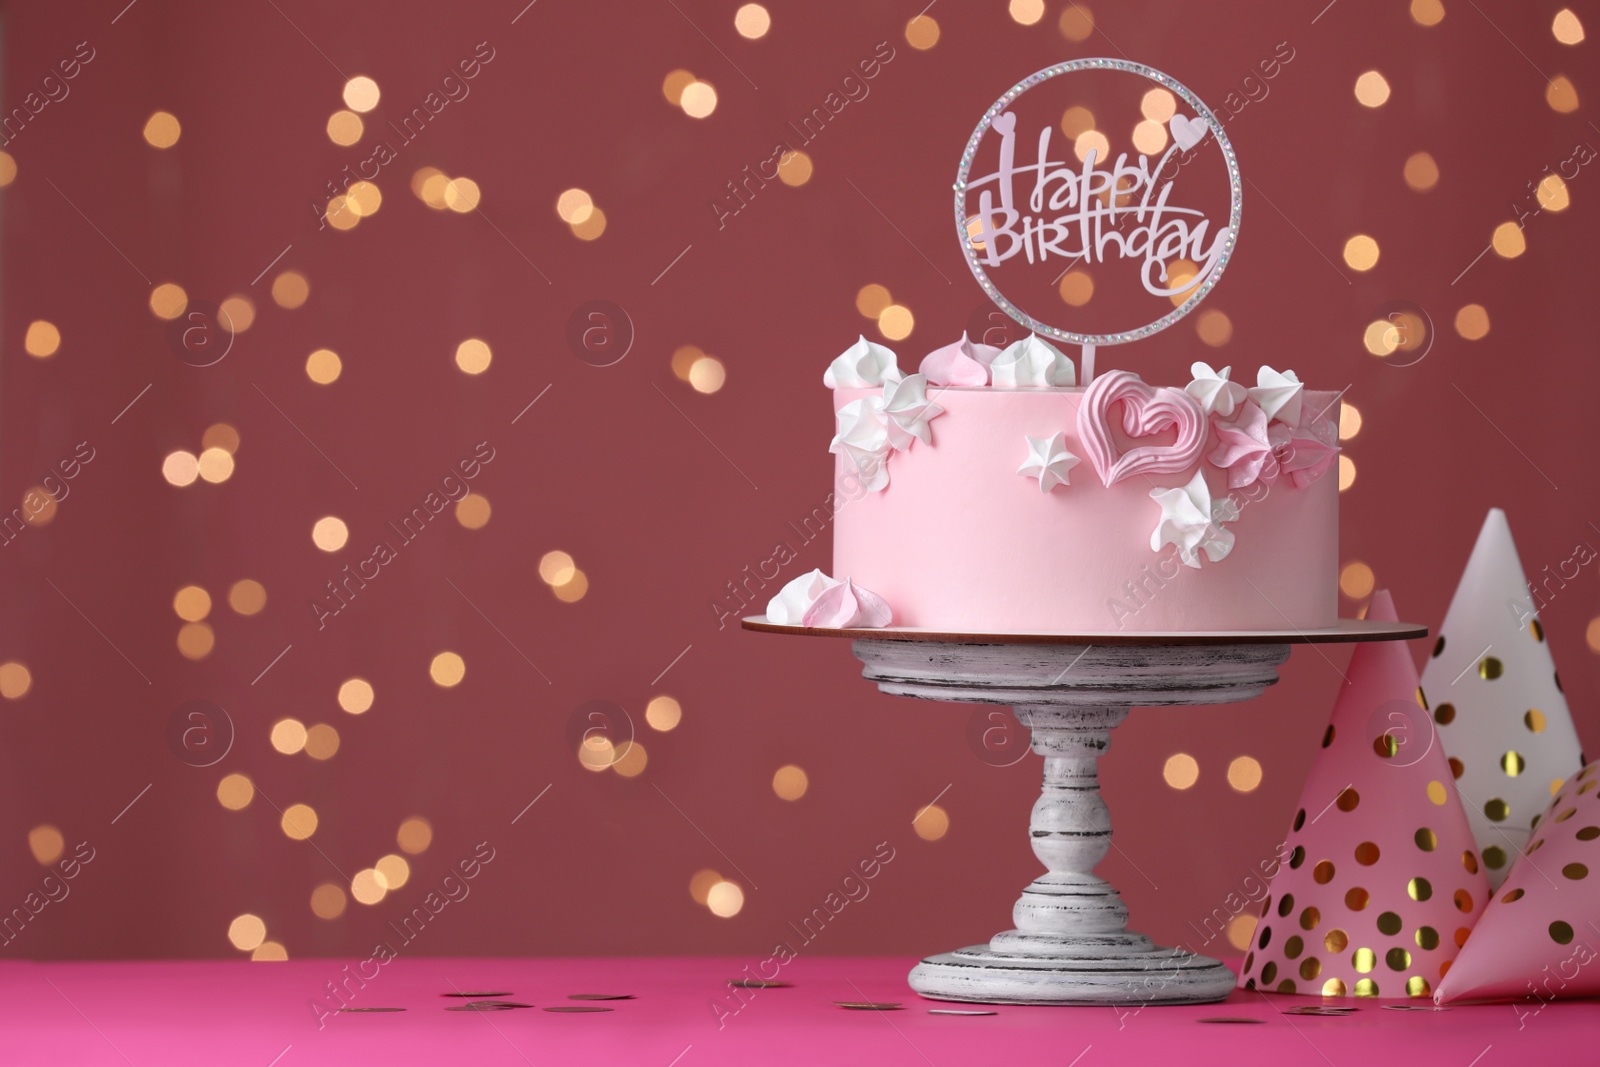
(1112, 244)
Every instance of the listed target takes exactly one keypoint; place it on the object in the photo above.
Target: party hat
(1539, 937)
(1382, 880)
(1495, 695)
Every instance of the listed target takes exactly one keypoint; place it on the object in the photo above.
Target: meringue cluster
(872, 428)
(1264, 433)
(1269, 435)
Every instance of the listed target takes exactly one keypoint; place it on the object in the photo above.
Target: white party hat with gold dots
(1496, 699)
(1536, 940)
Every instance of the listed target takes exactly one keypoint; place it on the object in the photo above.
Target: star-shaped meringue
(1049, 461)
(1192, 521)
(907, 410)
(1216, 394)
(1247, 448)
(862, 365)
(863, 439)
(961, 363)
(1278, 394)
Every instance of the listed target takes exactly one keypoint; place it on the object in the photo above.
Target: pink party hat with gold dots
(1539, 938)
(1383, 879)
(1503, 720)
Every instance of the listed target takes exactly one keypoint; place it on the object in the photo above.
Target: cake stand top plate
(1347, 630)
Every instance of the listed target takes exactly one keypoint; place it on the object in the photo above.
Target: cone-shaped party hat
(1496, 698)
(1383, 880)
(1539, 937)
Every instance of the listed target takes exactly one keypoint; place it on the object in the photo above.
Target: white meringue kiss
(1031, 363)
(862, 365)
(796, 598)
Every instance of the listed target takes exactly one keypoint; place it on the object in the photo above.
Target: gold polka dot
(1496, 809)
(1444, 714)
(1560, 933)
(1398, 959)
(1575, 871)
(1356, 898)
(1534, 721)
(1563, 816)
(1490, 668)
(1417, 986)
(1333, 987)
(1419, 889)
(1367, 853)
(1297, 857)
(1588, 833)
(1463, 901)
(1327, 736)
(1469, 861)
(1310, 968)
(1266, 938)
(1427, 938)
(1536, 846)
(1269, 972)
(1456, 767)
(1309, 919)
(1363, 960)
(1299, 819)
(1535, 628)
(1385, 745)
(1335, 941)
(1323, 872)
(1461, 935)
(1436, 793)
(1511, 896)
(1438, 647)
(1389, 923)
(1512, 763)
(1348, 800)
(1426, 839)
(1286, 905)
(1293, 947)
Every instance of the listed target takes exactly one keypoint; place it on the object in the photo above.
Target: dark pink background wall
(662, 494)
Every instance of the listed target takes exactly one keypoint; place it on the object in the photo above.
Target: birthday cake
(990, 493)
(994, 490)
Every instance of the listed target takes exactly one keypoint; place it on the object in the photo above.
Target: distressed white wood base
(1071, 944)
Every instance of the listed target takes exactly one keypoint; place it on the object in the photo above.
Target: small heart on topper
(1146, 410)
(1187, 132)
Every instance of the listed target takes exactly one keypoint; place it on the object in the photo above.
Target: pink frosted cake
(990, 493)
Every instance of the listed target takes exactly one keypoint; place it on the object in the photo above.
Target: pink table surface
(259, 1014)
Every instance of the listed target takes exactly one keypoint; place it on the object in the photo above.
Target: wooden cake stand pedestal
(1071, 944)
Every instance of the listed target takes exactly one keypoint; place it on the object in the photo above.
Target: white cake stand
(1071, 944)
